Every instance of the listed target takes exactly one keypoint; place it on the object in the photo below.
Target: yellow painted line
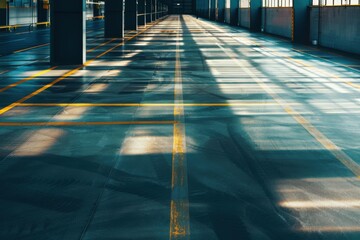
(312, 130)
(26, 79)
(327, 60)
(101, 45)
(145, 104)
(329, 229)
(317, 70)
(30, 48)
(3, 72)
(29, 124)
(179, 208)
(66, 75)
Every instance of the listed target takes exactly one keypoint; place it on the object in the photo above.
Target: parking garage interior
(180, 119)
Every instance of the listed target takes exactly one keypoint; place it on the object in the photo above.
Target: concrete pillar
(234, 12)
(301, 27)
(255, 15)
(68, 32)
(158, 10)
(97, 11)
(213, 5)
(142, 12)
(153, 10)
(4, 13)
(149, 18)
(42, 12)
(114, 18)
(131, 12)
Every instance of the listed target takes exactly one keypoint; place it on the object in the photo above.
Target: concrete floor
(191, 129)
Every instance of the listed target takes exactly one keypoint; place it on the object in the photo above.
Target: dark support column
(148, 11)
(97, 11)
(234, 10)
(142, 11)
(68, 32)
(4, 13)
(220, 9)
(158, 10)
(131, 11)
(42, 12)
(255, 15)
(153, 10)
(114, 18)
(213, 10)
(301, 28)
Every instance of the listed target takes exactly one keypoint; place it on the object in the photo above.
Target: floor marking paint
(311, 129)
(101, 45)
(30, 124)
(66, 75)
(147, 104)
(354, 85)
(30, 48)
(179, 208)
(26, 79)
(3, 72)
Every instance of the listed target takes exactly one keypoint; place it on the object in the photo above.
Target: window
(244, 3)
(335, 2)
(277, 3)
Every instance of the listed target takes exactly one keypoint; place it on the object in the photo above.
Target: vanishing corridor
(189, 129)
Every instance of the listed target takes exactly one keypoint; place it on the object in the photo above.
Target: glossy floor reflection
(190, 130)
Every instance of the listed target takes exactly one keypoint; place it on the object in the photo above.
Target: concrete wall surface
(278, 21)
(339, 27)
(227, 15)
(22, 15)
(245, 17)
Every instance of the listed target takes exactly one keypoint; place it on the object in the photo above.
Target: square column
(4, 13)
(131, 12)
(213, 4)
(97, 10)
(68, 32)
(114, 18)
(301, 16)
(234, 12)
(255, 15)
(42, 12)
(153, 10)
(142, 12)
(149, 11)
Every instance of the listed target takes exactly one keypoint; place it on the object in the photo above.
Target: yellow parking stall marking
(3, 72)
(66, 75)
(30, 48)
(179, 207)
(101, 45)
(312, 130)
(34, 124)
(146, 104)
(317, 70)
(26, 79)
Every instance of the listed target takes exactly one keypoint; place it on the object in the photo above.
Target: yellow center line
(26, 79)
(311, 129)
(179, 208)
(318, 70)
(26, 49)
(27, 124)
(3, 72)
(101, 45)
(66, 75)
(146, 104)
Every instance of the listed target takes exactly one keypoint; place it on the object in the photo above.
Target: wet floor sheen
(190, 130)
